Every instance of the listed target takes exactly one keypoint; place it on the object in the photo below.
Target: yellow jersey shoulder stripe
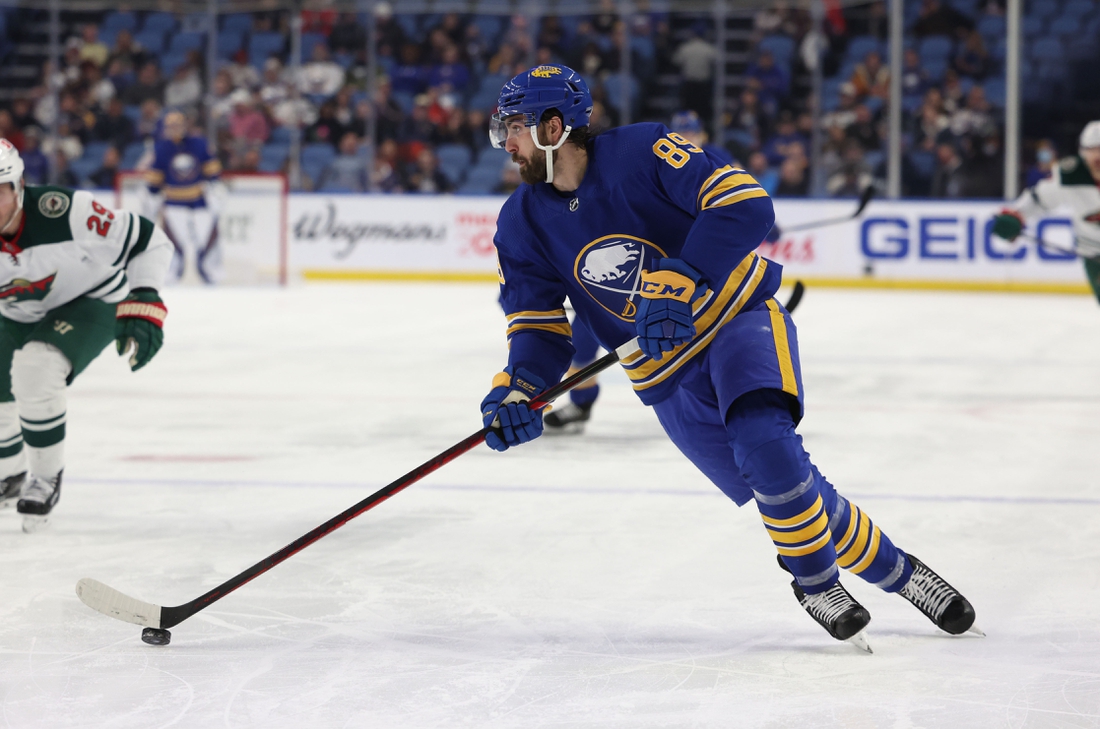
(737, 196)
(563, 329)
(727, 184)
(553, 314)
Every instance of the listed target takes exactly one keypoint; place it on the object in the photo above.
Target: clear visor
(503, 128)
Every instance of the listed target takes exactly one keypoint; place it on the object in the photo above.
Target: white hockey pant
(37, 417)
(191, 231)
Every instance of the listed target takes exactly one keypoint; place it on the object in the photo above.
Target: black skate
(40, 495)
(939, 601)
(568, 419)
(10, 488)
(837, 612)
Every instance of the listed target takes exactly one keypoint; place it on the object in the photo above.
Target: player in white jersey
(74, 276)
(1074, 185)
(184, 185)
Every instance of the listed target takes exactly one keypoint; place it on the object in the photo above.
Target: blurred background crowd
(419, 125)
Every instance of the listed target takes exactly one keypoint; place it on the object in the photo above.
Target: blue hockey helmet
(686, 121)
(538, 90)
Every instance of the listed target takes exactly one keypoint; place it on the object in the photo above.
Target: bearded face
(532, 170)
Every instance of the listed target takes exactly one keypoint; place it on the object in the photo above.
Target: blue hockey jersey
(647, 194)
(179, 169)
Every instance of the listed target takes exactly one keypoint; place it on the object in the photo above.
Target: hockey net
(252, 225)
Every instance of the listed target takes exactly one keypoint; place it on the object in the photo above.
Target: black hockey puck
(156, 636)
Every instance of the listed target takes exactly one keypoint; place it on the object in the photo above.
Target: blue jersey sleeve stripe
(714, 176)
(727, 184)
(563, 329)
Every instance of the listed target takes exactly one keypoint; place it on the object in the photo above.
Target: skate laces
(928, 591)
(39, 489)
(829, 605)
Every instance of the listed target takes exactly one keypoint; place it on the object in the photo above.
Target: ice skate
(568, 419)
(40, 495)
(10, 488)
(939, 601)
(837, 612)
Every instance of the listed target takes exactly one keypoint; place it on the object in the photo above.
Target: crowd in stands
(440, 76)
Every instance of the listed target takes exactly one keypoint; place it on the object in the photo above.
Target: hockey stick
(795, 297)
(864, 198)
(157, 619)
(1059, 249)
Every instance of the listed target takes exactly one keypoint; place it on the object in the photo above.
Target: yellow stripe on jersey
(563, 329)
(805, 516)
(872, 552)
(649, 372)
(555, 314)
(852, 554)
(184, 194)
(714, 176)
(154, 177)
(807, 549)
(747, 193)
(727, 184)
(783, 348)
(212, 167)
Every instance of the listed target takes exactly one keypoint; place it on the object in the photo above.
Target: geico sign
(944, 237)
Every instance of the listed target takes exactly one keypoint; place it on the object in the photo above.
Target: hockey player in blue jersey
(184, 181)
(651, 238)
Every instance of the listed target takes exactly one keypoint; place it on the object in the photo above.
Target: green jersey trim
(47, 208)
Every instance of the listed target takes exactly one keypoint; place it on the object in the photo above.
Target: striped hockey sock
(864, 550)
(799, 527)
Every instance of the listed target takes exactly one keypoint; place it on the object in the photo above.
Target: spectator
(787, 142)
(62, 174)
(22, 115)
(408, 76)
(318, 21)
(389, 113)
(104, 177)
(92, 49)
(792, 178)
(863, 130)
(184, 91)
(453, 28)
(113, 125)
(914, 79)
(871, 78)
(767, 177)
(747, 116)
(954, 97)
(503, 61)
(451, 73)
(384, 175)
(475, 47)
(36, 166)
(327, 128)
(603, 22)
(348, 170)
(149, 119)
(939, 19)
(148, 87)
(456, 131)
(344, 113)
(119, 75)
(242, 73)
(870, 19)
(946, 180)
(551, 34)
(98, 90)
(985, 169)
(9, 131)
(845, 114)
(247, 125)
(426, 177)
(418, 126)
(853, 176)
(976, 118)
(509, 178)
(246, 159)
(273, 86)
(774, 82)
(696, 59)
(972, 59)
(1045, 156)
(930, 123)
(127, 52)
(321, 76)
(348, 36)
(389, 34)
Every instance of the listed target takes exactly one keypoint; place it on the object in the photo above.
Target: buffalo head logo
(609, 269)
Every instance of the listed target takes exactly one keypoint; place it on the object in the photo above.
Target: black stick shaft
(864, 198)
(172, 616)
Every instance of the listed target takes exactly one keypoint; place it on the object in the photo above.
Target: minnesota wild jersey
(1071, 188)
(68, 246)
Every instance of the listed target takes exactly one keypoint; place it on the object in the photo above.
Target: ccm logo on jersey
(23, 290)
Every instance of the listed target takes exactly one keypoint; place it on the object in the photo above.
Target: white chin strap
(549, 150)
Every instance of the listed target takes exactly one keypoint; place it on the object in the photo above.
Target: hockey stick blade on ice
(864, 198)
(112, 603)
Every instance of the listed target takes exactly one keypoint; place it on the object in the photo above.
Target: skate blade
(859, 640)
(34, 522)
(976, 631)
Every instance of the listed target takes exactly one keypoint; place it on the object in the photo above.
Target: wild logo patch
(610, 268)
(23, 290)
(53, 204)
(1093, 218)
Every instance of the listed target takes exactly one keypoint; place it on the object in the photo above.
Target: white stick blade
(113, 603)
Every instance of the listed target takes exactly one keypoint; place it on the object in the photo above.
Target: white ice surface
(592, 582)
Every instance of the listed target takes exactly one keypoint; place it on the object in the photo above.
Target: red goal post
(252, 225)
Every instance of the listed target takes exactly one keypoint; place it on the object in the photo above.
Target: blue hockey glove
(505, 408)
(664, 319)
